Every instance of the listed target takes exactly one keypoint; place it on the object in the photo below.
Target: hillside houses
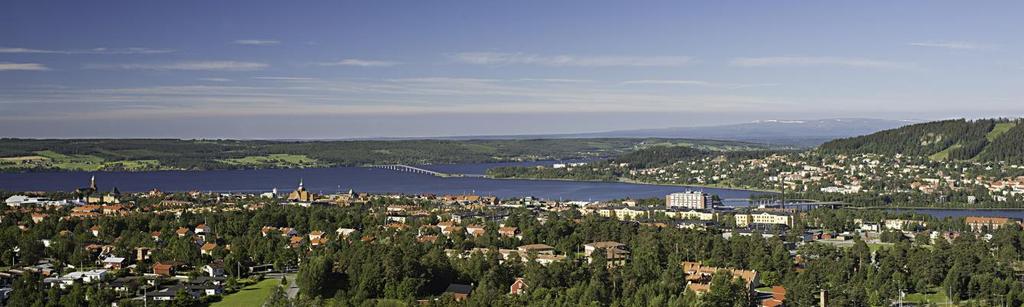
(698, 276)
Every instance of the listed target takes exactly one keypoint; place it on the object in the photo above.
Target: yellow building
(744, 220)
(690, 215)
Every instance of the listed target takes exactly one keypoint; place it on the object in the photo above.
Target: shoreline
(644, 183)
(937, 208)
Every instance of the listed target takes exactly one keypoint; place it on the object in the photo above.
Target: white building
(899, 224)
(689, 199)
(19, 200)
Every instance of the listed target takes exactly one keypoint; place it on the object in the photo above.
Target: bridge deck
(413, 169)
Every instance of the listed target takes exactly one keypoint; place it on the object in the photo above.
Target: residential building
(980, 223)
(518, 287)
(747, 219)
(690, 214)
(540, 249)
(509, 232)
(615, 253)
(459, 292)
(698, 276)
(208, 248)
(688, 199)
(113, 263)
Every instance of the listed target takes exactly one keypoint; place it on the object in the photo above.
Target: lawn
(874, 247)
(930, 296)
(253, 295)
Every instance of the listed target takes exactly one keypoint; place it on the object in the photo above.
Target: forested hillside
(985, 139)
(155, 154)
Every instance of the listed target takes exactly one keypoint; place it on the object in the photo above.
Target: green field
(274, 161)
(53, 160)
(944, 154)
(998, 130)
(72, 162)
(253, 295)
(930, 296)
(170, 154)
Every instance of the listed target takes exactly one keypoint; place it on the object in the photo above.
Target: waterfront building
(980, 223)
(688, 199)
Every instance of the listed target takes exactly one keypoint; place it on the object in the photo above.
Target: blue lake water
(341, 179)
(337, 179)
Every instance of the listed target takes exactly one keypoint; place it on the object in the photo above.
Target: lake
(341, 179)
(360, 179)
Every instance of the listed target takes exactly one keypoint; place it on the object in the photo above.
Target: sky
(365, 69)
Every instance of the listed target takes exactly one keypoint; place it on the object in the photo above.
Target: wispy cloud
(286, 79)
(952, 45)
(499, 58)
(816, 61)
(355, 96)
(216, 79)
(361, 63)
(6, 66)
(256, 42)
(133, 50)
(554, 80)
(188, 65)
(696, 83)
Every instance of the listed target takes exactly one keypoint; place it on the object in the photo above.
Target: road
(293, 288)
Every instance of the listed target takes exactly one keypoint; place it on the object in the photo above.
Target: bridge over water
(417, 170)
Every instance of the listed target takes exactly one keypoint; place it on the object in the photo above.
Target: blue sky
(334, 69)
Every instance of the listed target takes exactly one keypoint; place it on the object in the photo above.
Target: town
(299, 248)
(861, 179)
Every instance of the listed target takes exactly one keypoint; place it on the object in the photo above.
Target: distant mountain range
(799, 133)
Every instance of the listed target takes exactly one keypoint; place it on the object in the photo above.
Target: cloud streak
(952, 45)
(256, 42)
(699, 83)
(133, 50)
(7, 66)
(361, 63)
(498, 58)
(187, 65)
(803, 61)
(356, 96)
